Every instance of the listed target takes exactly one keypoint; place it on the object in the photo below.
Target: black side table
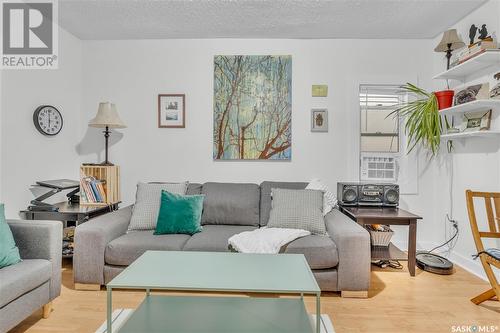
(71, 215)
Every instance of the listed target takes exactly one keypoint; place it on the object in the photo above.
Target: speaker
(348, 193)
(361, 194)
(391, 195)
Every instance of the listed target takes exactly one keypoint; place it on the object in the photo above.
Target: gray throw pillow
(297, 209)
(147, 203)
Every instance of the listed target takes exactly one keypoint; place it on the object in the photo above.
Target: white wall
(475, 162)
(1, 141)
(27, 155)
(132, 74)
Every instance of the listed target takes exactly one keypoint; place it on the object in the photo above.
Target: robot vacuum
(433, 263)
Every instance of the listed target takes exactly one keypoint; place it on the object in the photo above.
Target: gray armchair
(35, 281)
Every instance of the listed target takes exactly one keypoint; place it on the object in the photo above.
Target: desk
(71, 215)
(69, 212)
(388, 216)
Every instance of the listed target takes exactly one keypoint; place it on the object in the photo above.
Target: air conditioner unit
(378, 167)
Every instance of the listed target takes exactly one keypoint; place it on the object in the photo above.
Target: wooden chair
(494, 232)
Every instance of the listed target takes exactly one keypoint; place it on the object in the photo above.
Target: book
(101, 190)
(466, 53)
(92, 190)
(88, 189)
(97, 195)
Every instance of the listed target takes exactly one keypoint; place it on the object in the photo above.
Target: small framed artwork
(319, 90)
(477, 121)
(319, 120)
(495, 91)
(171, 110)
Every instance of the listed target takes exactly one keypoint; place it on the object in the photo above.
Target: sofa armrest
(91, 239)
(353, 245)
(41, 240)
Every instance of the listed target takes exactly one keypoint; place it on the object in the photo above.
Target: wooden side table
(388, 216)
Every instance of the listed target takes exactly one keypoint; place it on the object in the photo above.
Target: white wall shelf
(475, 106)
(487, 59)
(462, 135)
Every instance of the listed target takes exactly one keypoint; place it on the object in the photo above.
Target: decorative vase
(444, 98)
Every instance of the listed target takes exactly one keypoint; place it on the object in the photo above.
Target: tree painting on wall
(252, 107)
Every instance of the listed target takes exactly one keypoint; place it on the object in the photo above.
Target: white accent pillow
(147, 203)
(329, 198)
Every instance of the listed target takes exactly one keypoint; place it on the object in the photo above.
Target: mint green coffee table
(218, 272)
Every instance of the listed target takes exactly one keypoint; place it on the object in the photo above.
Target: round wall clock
(48, 120)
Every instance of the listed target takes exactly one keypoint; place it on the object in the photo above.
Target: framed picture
(475, 121)
(472, 93)
(495, 91)
(171, 110)
(319, 120)
(252, 107)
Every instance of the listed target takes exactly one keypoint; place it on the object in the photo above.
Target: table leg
(109, 311)
(318, 313)
(148, 292)
(412, 247)
(80, 220)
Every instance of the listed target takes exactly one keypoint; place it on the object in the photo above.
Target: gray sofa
(340, 261)
(35, 281)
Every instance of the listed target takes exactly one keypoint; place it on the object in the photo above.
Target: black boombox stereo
(362, 194)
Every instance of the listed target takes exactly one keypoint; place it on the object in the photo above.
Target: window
(379, 129)
(380, 141)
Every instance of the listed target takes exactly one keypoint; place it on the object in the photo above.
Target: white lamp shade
(107, 116)
(449, 37)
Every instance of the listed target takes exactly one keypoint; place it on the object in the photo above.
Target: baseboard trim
(472, 266)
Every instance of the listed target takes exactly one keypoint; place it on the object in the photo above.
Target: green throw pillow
(9, 253)
(179, 214)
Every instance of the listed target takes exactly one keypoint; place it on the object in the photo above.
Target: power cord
(449, 241)
(388, 263)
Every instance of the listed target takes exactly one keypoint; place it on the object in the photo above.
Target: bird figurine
(472, 33)
(483, 32)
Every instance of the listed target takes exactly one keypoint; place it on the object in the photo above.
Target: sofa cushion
(16, 280)
(214, 237)
(147, 203)
(320, 251)
(265, 196)
(231, 203)
(298, 209)
(127, 248)
(179, 214)
(9, 252)
(193, 189)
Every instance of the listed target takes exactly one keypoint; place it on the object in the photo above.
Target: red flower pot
(445, 98)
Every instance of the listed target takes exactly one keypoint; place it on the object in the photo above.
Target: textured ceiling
(153, 19)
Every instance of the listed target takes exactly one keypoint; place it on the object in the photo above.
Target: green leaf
(423, 124)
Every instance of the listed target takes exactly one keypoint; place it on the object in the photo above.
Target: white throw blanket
(265, 240)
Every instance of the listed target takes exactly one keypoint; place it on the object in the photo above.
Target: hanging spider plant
(423, 125)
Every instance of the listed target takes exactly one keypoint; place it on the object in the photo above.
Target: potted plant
(444, 98)
(421, 116)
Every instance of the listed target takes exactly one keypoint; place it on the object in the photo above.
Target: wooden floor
(396, 303)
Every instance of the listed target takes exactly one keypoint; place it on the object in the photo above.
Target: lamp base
(106, 163)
